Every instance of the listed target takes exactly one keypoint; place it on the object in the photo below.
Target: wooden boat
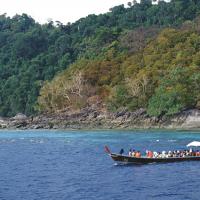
(144, 160)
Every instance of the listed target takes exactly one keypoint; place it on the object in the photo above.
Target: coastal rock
(21, 124)
(3, 123)
(138, 112)
(120, 113)
(20, 116)
(90, 118)
(192, 120)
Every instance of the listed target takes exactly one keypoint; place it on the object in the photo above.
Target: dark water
(73, 166)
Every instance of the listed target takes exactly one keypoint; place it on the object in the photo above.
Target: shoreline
(138, 130)
(99, 131)
(90, 119)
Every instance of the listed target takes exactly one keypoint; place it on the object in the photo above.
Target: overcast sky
(57, 10)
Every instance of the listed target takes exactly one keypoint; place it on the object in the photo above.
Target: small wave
(36, 141)
(171, 140)
(67, 141)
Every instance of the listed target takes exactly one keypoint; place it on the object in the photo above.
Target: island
(136, 66)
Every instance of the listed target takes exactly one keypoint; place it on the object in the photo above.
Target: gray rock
(20, 116)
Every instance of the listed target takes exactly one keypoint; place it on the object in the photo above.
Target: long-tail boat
(125, 159)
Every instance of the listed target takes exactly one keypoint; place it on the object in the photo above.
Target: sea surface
(72, 165)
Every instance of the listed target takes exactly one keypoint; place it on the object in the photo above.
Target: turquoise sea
(72, 165)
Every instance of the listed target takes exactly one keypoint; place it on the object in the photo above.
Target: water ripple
(72, 165)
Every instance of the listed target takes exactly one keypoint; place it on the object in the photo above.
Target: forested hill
(109, 55)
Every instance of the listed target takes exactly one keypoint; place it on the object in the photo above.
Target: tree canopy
(122, 56)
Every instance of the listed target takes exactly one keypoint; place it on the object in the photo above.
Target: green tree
(177, 91)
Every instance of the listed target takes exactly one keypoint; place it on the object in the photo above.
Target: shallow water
(72, 165)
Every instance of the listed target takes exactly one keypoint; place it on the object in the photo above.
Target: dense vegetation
(123, 59)
(164, 77)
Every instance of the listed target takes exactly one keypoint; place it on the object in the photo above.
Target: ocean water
(72, 165)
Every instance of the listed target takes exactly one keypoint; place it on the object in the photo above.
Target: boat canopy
(194, 144)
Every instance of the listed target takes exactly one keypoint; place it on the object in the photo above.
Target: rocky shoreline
(89, 118)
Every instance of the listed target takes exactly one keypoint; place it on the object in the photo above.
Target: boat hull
(144, 160)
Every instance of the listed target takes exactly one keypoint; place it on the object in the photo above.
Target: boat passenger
(174, 154)
(155, 154)
(138, 154)
(181, 154)
(133, 153)
(170, 154)
(163, 155)
(190, 152)
(159, 155)
(130, 152)
(197, 153)
(121, 151)
(150, 154)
